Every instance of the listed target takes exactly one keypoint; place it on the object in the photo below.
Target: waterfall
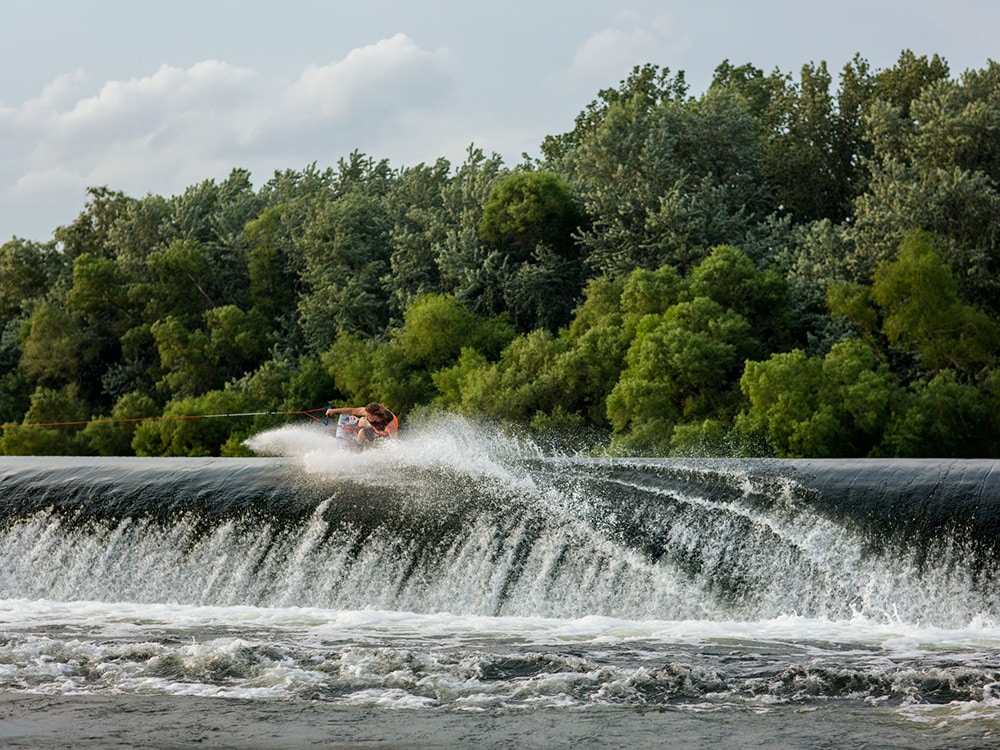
(469, 526)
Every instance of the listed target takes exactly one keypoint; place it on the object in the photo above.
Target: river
(462, 589)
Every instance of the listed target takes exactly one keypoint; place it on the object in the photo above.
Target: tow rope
(309, 413)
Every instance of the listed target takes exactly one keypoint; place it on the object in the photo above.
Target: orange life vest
(384, 430)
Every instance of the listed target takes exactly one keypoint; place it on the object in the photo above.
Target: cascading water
(465, 570)
(640, 539)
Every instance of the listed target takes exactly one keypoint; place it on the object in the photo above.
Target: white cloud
(608, 53)
(44, 181)
(607, 56)
(162, 132)
(391, 74)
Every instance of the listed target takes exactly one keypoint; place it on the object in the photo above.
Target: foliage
(943, 417)
(26, 272)
(50, 345)
(190, 426)
(797, 265)
(918, 295)
(436, 328)
(808, 406)
(680, 367)
(48, 405)
(113, 435)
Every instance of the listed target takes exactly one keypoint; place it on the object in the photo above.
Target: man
(375, 421)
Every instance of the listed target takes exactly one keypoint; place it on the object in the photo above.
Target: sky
(152, 98)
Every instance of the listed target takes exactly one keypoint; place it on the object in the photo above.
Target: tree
(369, 370)
(530, 218)
(597, 339)
(518, 387)
(436, 328)
(662, 178)
(918, 295)
(59, 407)
(99, 300)
(729, 277)
(605, 158)
(50, 346)
(531, 208)
(935, 166)
(420, 227)
(799, 153)
(185, 358)
(27, 270)
(645, 88)
(470, 270)
(238, 341)
(113, 436)
(903, 83)
(271, 266)
(181, 283)
(346, 249)
(91, 232)
(942, 417)
(648, 292)
(821, 407)
(680, 366)
(182, 432)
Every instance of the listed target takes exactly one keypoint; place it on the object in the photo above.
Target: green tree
(188, 367)
(942, 417)
(593, 347)
(470, 270)
(98, 295)
(27, 270)
(935, 168)
(662, 178)
(238, 341)
(59, 407)
(185, 430)
(50, 346)
(530, 218)
(918, 295)
(92, 231)
(436, 328)
(346, 250)
(98, 299)
(903, 83)
(113, 436)
(531, 208)
(181, 283)
(731, 278)
(604, 157)
(369, 370)
(681, 366)
(519, 387)
(799, 153)
(271, 266)
(648, 293)
(818, 407)
(420, 228)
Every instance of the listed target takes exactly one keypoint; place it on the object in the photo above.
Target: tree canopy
(788, 264)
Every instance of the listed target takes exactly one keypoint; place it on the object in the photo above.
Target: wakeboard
(348, 427)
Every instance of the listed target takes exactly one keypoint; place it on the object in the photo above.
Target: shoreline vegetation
(791, 266)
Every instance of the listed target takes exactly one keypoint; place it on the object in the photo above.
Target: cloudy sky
(150, 97)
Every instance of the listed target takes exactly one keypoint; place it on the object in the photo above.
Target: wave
(460, 519)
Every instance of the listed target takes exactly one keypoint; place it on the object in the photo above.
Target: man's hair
(378, 410)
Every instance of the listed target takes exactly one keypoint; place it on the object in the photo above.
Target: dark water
(455, 588)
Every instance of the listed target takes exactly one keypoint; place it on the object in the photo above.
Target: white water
(317, 613)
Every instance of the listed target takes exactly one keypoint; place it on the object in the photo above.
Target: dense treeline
(778, 266)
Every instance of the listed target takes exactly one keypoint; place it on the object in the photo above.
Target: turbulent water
(465, 574)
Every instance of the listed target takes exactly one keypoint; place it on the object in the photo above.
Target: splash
(444, 443)
(459, 518)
